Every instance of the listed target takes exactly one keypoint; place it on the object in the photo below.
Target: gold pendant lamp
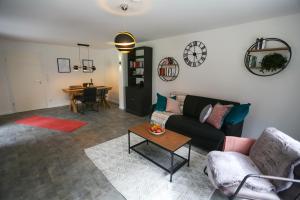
(124, 41)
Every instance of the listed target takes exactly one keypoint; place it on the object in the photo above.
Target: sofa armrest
(237, 144)
(233, 129)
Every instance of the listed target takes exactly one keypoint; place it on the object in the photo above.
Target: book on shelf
(136, 64)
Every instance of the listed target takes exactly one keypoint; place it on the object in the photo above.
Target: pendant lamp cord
(124, 8)
(88, 56)
(79, 55)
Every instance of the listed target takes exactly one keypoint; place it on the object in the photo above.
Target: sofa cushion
(229, 168)
(193, 128)
(193, 105)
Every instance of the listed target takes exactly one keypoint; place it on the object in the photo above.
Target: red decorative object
(52, 123)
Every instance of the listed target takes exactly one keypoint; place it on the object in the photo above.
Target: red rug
(52, 123)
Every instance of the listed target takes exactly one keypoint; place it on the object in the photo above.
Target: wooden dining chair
(102, 94)
(88, 99)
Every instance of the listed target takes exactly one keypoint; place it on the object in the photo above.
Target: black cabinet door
(138, 101)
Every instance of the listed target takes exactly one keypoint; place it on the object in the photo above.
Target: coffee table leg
(129, 142)
(172, 160)
(190, 144)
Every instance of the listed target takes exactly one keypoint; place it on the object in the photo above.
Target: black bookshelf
(139, 89)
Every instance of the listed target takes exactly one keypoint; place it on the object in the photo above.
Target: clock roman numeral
(186, 60)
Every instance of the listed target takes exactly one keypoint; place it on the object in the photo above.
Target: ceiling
(97, 21)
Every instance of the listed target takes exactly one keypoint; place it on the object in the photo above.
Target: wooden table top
(170, 140)
(79, 89)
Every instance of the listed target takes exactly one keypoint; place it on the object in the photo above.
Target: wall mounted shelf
(269, 49)
(267, 61)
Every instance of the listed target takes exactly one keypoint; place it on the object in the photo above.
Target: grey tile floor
(38, 163)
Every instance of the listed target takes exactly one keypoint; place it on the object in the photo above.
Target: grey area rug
(139, 179)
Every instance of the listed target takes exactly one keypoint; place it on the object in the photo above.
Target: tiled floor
(39, 163)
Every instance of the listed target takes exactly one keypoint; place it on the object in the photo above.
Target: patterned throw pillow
(218, 114)
(206, 111)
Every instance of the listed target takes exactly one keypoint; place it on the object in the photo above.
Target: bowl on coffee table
(156, 129)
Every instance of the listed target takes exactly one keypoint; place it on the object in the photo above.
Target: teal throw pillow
(161, 102)
(237, 114)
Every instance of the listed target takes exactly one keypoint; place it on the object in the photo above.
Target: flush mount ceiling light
(124, 41)
(137, 7)
(85, 66)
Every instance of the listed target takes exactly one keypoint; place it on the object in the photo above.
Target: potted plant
(273, 62)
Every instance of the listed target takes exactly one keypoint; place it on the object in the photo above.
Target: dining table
(75, 91)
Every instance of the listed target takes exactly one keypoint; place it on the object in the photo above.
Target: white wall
(47, 55)
(110, 62)
(275, 100)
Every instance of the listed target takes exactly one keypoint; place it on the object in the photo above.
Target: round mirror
(267, 56)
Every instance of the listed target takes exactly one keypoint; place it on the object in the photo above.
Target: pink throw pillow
(173, 106)
(238, 144)
(218, 115)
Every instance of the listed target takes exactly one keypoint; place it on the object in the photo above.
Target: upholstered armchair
(257, 169)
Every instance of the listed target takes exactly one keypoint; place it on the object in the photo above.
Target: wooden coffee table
(167, 144)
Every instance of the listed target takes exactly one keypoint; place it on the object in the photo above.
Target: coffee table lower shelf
(163, 158)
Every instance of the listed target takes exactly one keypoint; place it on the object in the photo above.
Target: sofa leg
(204, 170)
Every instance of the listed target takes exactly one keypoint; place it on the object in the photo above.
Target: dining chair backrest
(90, 94)
(102, 93)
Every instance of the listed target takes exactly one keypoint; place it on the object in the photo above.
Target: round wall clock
(195, 54)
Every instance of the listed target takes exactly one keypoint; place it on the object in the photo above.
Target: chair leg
(82, 108)
(97, 104)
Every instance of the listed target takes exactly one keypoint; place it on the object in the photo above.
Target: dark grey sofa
(203, 135)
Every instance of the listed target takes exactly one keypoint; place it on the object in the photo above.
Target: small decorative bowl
(154, 127)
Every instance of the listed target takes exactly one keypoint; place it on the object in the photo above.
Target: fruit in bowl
(156, 129)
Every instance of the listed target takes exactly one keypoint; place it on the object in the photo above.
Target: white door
(27, 83)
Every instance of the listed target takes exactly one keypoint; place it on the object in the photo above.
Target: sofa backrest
(193, 105)
(276, 154)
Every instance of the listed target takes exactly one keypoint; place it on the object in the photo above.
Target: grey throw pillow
(206, 111)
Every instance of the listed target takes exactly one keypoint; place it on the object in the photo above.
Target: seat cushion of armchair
(227, 170)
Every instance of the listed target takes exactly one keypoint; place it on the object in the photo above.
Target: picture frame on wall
(64, 65)
(88, 63)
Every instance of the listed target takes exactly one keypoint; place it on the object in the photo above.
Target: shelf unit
(254, 57)
(139, 89)
(269, 49)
